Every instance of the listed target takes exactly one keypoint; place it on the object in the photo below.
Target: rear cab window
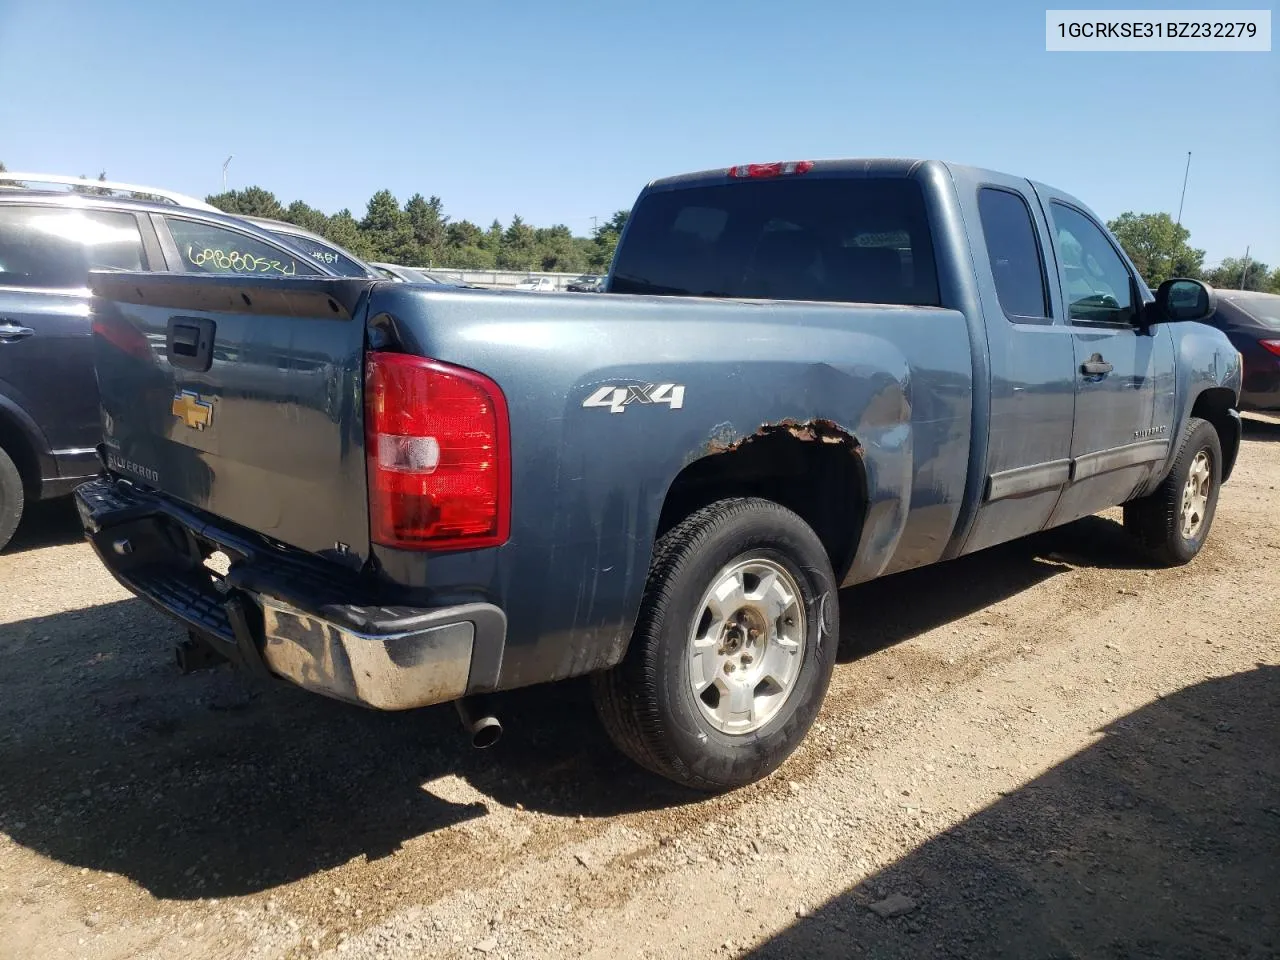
(210, 248)
(1017, 264)
(825, 238)
(56, 247)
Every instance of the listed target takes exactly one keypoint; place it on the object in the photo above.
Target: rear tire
(732, 651)
(1174, 521)
(12, 498)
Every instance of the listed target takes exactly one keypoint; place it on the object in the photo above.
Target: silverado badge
(195, 412)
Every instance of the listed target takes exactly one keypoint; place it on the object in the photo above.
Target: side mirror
(1182, 299)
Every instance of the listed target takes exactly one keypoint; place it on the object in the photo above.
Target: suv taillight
(1271, 346)
(438, 447)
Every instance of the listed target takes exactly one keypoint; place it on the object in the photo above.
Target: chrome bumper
(385, 657)
(388, 671)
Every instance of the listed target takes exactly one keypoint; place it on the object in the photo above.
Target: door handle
(10, 331)
(1095, 366)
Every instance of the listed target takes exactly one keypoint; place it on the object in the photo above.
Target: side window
(57, 247)
(1095, 280)
(323, 253)
(209, 248)
(1016, 262)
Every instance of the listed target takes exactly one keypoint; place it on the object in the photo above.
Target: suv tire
(12, 498)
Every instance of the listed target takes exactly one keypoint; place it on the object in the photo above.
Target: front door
(1116, 442)
(1032, 392)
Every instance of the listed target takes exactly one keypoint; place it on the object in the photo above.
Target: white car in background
(395, 271)
(545, 284)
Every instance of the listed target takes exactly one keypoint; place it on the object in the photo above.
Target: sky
(561, 111)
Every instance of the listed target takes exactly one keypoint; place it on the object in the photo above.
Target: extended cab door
(1032, 402)
(1123, 374)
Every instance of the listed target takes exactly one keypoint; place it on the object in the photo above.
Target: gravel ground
(1047, 750)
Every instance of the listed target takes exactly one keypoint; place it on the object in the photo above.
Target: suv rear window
(46, 246)
(330, 256)
(787, 239)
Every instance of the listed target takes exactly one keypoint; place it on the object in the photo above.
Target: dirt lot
(1047, 750)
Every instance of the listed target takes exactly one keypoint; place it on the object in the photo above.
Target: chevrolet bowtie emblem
(191, 410)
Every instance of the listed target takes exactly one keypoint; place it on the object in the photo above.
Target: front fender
(1207, 377)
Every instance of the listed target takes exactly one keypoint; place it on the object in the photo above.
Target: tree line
(1161, 248)
(420, 234)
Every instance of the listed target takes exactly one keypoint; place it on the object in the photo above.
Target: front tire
(12, 497)
(1174, 521)
(733, 649)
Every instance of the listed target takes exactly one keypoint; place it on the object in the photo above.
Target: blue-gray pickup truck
(800, 376)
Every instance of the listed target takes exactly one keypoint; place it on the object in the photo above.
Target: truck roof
(867, 167)
(856, 167)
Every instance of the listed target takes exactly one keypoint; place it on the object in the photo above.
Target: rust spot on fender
(817, 430)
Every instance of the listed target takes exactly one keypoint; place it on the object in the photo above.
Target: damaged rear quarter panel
(589, 483)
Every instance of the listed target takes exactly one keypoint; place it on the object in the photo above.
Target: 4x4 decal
(618, 398)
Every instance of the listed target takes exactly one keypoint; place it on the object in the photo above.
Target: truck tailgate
(242, 398)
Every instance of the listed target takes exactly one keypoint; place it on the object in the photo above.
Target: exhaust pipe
(478, 720)
(192, 655)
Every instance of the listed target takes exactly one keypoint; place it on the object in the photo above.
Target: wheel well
(14, 442)
(814, 469)
(1215, 405)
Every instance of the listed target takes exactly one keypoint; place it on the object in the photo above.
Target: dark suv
(49, 241)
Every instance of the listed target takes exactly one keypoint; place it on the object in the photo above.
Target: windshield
(1265, 308)
(786, 239)
(419, 276)
(331, 256)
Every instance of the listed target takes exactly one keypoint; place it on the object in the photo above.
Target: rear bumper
(278, 611)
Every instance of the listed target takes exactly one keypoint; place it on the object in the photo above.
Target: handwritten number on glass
(237, 262)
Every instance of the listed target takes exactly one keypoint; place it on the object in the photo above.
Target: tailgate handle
(189, 342)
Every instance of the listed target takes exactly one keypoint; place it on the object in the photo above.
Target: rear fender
(24, 440)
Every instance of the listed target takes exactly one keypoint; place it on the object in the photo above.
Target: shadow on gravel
(1261, 430)
(1163, 840)
(202, 786)
(888, 611)
(48, 523)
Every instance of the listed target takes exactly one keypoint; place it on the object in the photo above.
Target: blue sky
(562, 110)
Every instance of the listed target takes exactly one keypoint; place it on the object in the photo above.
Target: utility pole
(595, 225)
(1185, 174)
(1245, 272)
(226, 163)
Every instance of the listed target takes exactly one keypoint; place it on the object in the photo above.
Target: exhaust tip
(485, 732)
(478, 720)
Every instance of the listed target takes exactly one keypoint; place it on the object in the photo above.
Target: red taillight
(1273, 346)
(438, 448)
(758, 171)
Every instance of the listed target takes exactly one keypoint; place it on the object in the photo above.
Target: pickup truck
(800, 376)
